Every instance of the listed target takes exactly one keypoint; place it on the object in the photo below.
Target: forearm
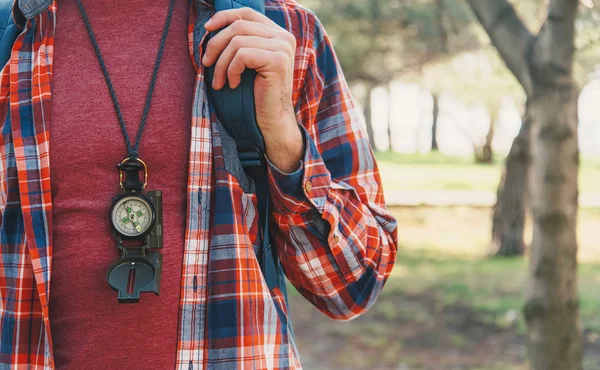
(284, 144)
(337, 246)
(340, 272)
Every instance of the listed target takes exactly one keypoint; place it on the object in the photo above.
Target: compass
(136, 215)
(132, 215)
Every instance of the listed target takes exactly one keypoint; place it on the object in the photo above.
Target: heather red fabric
(85, 145)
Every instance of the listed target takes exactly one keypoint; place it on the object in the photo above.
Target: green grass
(411, 177)
(434, 171)
(446, 305)
(490, 286)
(438, 158)
(432, 158)
(444, 250)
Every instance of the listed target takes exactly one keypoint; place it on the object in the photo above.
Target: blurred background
(443, 111)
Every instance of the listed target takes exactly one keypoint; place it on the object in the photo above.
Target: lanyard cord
(132, 150)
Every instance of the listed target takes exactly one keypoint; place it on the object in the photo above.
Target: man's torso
(228, 316)
(86, 144)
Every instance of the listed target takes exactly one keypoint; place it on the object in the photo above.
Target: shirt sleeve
(336, 241)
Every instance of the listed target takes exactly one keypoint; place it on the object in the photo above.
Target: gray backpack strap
(235, 109)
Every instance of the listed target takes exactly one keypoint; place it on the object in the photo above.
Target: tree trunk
(389, 118)
(509, 213)
(544, 66)
(486, 156)
(434, 126)
(369, 118)
(551, 309)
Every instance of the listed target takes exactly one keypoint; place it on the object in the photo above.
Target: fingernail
(208, 22)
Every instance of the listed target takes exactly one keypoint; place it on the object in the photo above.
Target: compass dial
(132, 216)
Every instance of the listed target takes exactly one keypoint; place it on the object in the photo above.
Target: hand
(251, 40)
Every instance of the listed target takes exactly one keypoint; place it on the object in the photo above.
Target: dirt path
(407, 333)
(417, 332)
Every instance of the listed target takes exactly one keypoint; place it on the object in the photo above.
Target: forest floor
(446, 306)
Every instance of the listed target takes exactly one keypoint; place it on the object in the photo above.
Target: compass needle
(133, 215)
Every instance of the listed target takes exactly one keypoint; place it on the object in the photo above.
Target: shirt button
(336, 238)
(308, 186)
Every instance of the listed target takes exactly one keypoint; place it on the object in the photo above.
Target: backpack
(236, 112)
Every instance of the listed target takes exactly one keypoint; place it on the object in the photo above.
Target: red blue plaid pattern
(335, 239)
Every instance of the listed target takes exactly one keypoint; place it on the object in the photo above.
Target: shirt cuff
(303, 189)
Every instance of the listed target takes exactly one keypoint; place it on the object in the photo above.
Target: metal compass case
(136, 219)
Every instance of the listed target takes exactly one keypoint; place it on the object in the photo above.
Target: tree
(436, 115)
(543, 65)
(377, 41)
(476, 79)
(368, 117)
(508, 222)
(485, 154)
(511, 205)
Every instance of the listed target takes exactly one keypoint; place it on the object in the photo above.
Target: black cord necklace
(132, 150)
(136, 214)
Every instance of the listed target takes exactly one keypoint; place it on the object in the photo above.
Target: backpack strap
(8, 31)
(267, 257)
(236, 112)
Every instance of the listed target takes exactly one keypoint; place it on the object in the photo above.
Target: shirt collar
(31, 8)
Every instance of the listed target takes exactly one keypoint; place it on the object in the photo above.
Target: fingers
(247, 40)
(241, 27)
(244, 42)
(226, 17)
(263, 61)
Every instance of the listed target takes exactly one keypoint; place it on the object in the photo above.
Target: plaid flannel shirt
(336, 241)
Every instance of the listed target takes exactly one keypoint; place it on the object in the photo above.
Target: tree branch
(554, 50)
(509, 35)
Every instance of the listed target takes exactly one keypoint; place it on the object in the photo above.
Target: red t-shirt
(90, 329)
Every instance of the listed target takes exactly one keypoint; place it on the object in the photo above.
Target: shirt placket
(191, 349)
(30, 89)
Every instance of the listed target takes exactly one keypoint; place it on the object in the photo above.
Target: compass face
(132, 216)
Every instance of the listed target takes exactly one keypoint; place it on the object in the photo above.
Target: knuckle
(290, 38)
(246, 11)
(289, 41)
(235, 67)
(281, 58)
(243, 54)
(237, 58)
(236, 41)
(237, 26)
(285, 47)
(291, 49)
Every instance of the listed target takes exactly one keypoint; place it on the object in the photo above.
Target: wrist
(284, 145)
